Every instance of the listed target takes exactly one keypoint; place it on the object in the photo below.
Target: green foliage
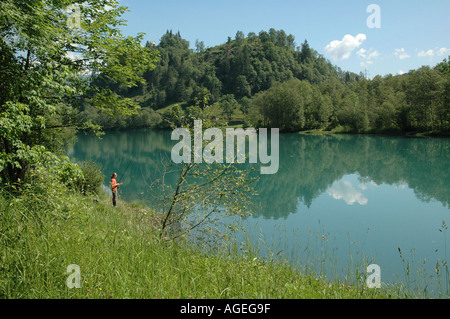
(202, 196)
(353, 113)
(92, 179)
(50, 68)
(424, 97)
(283, 106)
(145, 117)
(174, 117)
(417, 101)
(228, 104)
(202, 98)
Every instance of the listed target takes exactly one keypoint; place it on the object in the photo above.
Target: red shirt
(113, 184)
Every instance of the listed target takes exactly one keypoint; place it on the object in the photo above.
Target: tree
(245, 105)
(318, 111)
(239, 36)
(202, 196)
(54, 66)
(202, 98)
(422, 95)
(229, 105)
(306, 52)
(353, 113)
(242, 87)
(199, 46)
(444, 66)
(283, 105)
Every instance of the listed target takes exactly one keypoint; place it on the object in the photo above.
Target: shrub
(92, 178)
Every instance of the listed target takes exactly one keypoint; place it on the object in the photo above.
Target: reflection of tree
(309, 165)
(146, 150)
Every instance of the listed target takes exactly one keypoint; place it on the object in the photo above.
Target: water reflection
(344, 190)
(309, 166)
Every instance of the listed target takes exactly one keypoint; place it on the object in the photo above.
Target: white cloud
(423, 53)
(431, 53)
(401, 54)
(367, 56)
(341, 50)
(443, 51)
(400, 72)
(361, 52)
(345, 190)
(365, 63)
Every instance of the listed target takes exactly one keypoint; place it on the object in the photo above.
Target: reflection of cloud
(345, 190)
(366, 185)
(401, 185)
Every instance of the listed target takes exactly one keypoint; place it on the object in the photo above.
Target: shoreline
(311, 132)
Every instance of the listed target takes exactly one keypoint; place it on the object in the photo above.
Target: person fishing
(115, 185)
(114, 188)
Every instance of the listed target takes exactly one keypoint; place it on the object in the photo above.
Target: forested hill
(242, 67)
(276, 83)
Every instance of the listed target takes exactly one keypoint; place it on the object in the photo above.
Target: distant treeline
(276, 83)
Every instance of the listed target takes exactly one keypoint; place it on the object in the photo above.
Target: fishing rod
(125, 170)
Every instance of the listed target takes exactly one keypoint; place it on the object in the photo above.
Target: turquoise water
(336, 204)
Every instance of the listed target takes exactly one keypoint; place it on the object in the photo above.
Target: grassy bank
(121, 256)
(347, 130)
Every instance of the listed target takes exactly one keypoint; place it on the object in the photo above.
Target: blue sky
(412, 33)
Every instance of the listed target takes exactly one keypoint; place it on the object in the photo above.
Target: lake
(337, 203)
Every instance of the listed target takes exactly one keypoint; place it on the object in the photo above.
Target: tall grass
(121, 256)
(418, 280)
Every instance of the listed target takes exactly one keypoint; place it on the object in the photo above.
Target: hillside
(242, 67)
(266, 79)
